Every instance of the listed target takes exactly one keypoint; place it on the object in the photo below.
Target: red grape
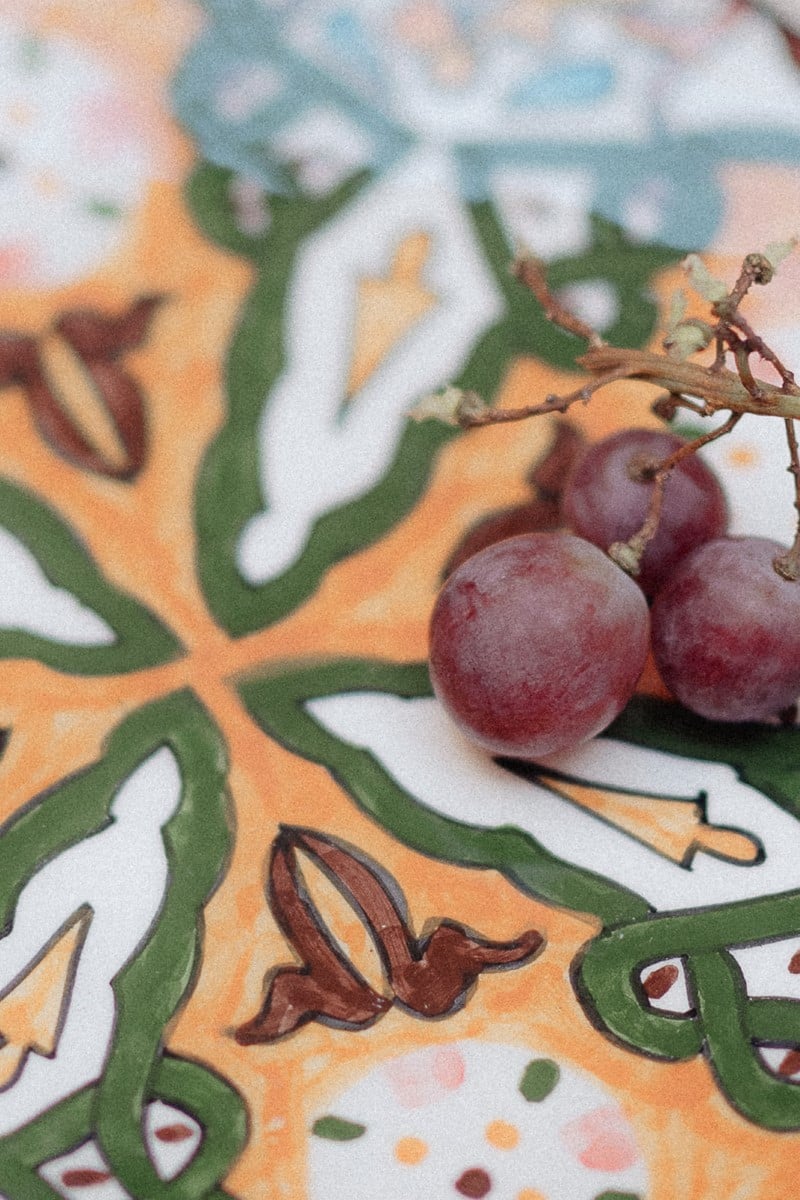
(534, 517)
(537, 643)
(605, 503)
(543, 511)
(726, 631)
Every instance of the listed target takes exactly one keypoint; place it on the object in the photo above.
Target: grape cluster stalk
(537, 641)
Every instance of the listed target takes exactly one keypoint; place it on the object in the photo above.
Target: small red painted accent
(793, 44)
(794, 963)
(84, 1177)
(474, 1183)
(660, 981)
(173, 1133)
(790, 1063)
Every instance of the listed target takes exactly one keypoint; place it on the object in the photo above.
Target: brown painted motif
(429, 976)
(97, 342)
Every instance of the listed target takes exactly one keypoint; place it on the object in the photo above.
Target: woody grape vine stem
(628, 555)
(704, 390)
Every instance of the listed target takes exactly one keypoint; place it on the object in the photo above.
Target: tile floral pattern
(269, 928)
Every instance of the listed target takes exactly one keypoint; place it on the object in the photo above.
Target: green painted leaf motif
(726, 1023)
(256, 359)
(157, 977)
(611, 258)
(765, 757)
(278, 702)
(539, 1079)
(258, 356)
(58, 608)
(336, 1129)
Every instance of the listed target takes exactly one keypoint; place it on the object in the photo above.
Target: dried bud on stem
(701, 389)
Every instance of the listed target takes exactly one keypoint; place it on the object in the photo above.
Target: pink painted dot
(449, 1068)
(423, 1078)
(108, 123)
(601, 1140)
(15, 262)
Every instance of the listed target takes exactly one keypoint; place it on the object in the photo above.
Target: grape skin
(726, 632)
(603, 504)
(534, 517)
(537, 643)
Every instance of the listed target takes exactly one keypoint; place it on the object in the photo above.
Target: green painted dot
(539, 1078)
(32, 52)
(335, 1129)
(104, 208)
(618, 1196)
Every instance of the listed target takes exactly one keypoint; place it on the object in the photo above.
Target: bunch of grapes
(538, 641)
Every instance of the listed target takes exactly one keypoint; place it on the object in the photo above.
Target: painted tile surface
(269, 927)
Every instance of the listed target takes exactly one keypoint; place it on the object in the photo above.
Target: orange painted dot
(531, 1194)
(47, 183)
(20, 113)
(502, 1134)
(410, 1150)
(742, 456)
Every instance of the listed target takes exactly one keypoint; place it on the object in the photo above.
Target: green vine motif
(277, 700)
(191, 1087)
(626, 267)
(140, 639)
(728, 1025)
(257, 356)
(155, 982)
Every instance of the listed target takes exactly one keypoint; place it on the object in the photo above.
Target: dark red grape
(543, 511)
(726, 631)
(604, 502)
(536, 516)
(537, 643)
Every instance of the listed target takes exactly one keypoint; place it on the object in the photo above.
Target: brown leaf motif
(429, 976)
(94, 419)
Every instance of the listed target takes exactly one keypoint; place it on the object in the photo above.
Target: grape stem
(528, 270)
(702, 389)
(628, 555)
(788, 565)
(719, 390)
